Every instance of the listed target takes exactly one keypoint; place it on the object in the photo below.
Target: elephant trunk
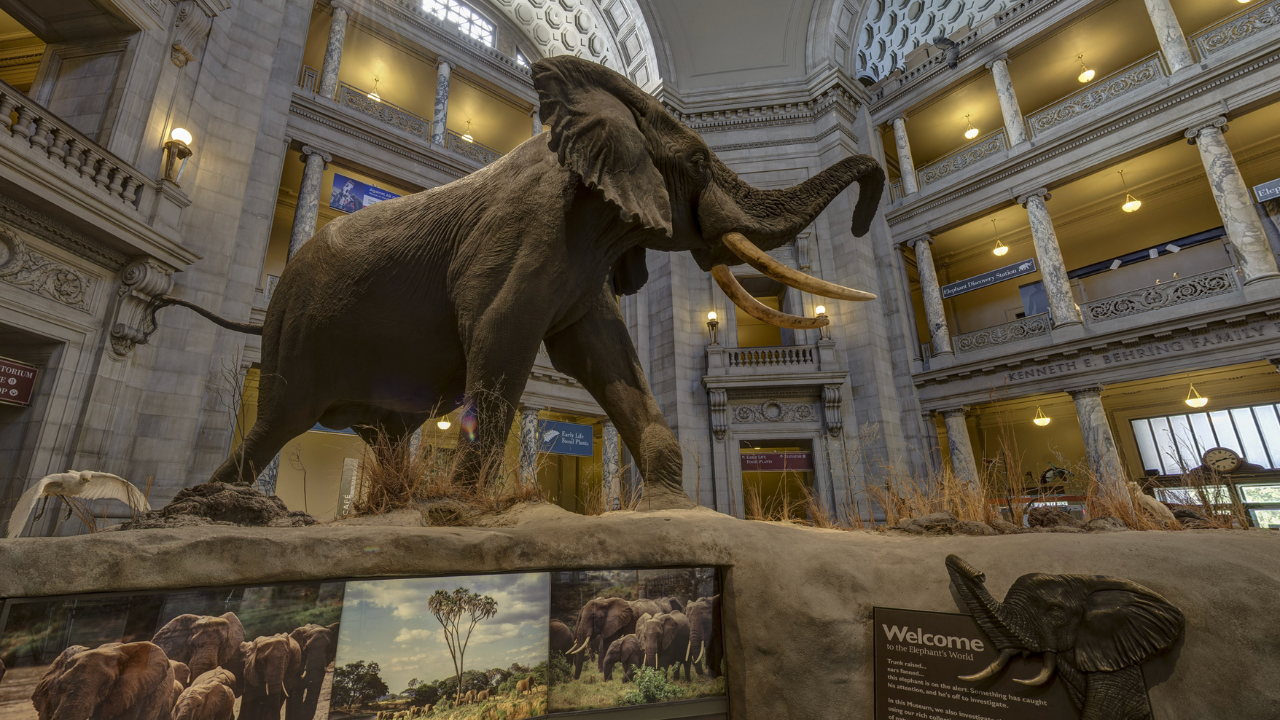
(1005, 625)
(275, 679)
(204, 659)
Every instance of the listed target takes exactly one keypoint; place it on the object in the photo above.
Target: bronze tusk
(740, 297)
(992, 669)
(1046, 672)
(762, 261)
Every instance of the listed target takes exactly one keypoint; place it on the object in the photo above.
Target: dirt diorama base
(797, 601)
(218, 503)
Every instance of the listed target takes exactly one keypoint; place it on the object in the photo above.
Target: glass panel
(1164, 445)
(1247, 427)
(1266, 518)
(1260, 493)
(1226, 433)
(1184, 440)
(1216, 494)
(1146, 446)
(1269, 425)
(1204, 433)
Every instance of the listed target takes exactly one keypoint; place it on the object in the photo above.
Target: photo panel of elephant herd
(506, 647)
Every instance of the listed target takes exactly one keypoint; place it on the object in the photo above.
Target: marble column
(1053, 270)
(444, 70)
(308, 209)
(529, 443)
(1173, 44)
(934, 313)
(611, 469)
(905, 164)
(963, 465)
(328, 86)
(932, 451)
(537, 120)
(1099, 443)
(1244, 228)
(1013, 124)
(267, 478)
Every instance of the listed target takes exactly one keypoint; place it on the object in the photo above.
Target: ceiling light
(1041, 419)
(972, 132)
(443, 424)
(374, 96)
(1131, 203)
(820, 310)
(467, 135)
(180, 135)
(1000, 249)
(1195, 399)
(1085, 73)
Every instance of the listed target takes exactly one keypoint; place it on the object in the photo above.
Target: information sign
(350, 195)
(776, 461)
(920, 656)
(562, 438)
(977, 282)
(1267, 191)
(17, 382)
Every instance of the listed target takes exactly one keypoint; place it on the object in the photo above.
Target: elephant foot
(658, 496)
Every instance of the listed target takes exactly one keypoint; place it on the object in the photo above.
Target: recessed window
(1174, 444)
(469, 21)
(521, 60)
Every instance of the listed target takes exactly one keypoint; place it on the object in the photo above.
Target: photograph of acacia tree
(453, 647)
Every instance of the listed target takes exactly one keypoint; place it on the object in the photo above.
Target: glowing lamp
(1041, 419)
(1131, 203)
(443, 424)
(1000, 249)
(711, 315)
(972, 132)
(820, 310)
(1195, 399)
(180, 135)
(374, 96)
(1085, 73)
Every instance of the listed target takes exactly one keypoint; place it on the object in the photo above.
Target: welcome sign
(977, 282)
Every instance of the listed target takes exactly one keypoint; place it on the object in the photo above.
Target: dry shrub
(593, 501)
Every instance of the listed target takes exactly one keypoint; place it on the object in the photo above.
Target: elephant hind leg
(282, 416)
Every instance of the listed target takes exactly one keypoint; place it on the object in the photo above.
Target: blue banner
(977, 282)
(562, 438)
(350, 195)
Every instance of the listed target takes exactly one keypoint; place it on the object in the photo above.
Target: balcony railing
(482, 154)
(771, 357)
(354, 98)
(70, 151)
(1010, 332)
(1244, 25)
(957, 160)
(1197, 287)
(895, 191)
(1116, 85)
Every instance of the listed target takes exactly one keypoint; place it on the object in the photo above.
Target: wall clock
(1223, 460)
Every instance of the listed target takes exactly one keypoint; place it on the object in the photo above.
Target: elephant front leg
(597, 352)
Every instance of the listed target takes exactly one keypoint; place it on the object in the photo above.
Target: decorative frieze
(957, 160)
(834, 99)
(1010, 332)
(1239, 27)
(55, 233)
(775, 411)
(1140, 74)
(399, 118)
(1176, 292)
(24, 268)
(482, 154)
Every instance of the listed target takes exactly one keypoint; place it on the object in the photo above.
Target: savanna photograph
(249, 653)
(451, 648)
(634, 637)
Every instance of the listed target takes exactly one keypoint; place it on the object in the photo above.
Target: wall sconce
(177, 148)
(444, 423)
(972, 132)
(374, 96)
(1085, 73)
(1041, 419)
(712, 324)
(823, 332)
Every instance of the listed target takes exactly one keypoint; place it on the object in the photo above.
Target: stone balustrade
(895, 191)
(354, 98)
(1010, 332)
(1176, 292)
(771, 357)
(36, 129)
(1244, 25)
(482, 154)
(953, 162)
(1116, 85)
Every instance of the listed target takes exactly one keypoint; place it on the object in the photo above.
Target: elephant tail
(162, 301)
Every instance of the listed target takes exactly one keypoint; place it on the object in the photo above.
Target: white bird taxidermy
(1150, 504)
(82, 484)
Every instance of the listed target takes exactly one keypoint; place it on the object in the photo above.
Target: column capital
(928, 414)
(1219, 123)
(1094, 390)
(447, 62)
(1038, 192)
(911, 243)
(308, 150)
(955, 411)
(344, 5)
(531, 409)
(900, 116)
(607, 424)
(1002, 57)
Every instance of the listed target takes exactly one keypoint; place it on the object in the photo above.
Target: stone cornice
(767, 105)
(788, 141)
(55, 233)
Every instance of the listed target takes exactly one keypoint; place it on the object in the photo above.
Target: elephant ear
(173, 637)
(142, 673)
(44, 688)
(594, 114)
(669, 627)
(630, 272)
(1123, 624)
(619, 617)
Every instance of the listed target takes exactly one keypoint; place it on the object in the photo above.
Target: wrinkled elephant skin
(202, 642)
(269, 663)
(319, 647)
(600, 622)
(115, 681)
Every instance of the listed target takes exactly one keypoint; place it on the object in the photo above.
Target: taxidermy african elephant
(202, 642)
(626, 651)
(319, 645)
(665, 640)
(704, 635)
(560, 637)
(210, 697)
(600, 622)
(1094, 631)
(270, 662)
(115, 681)
(438, 300)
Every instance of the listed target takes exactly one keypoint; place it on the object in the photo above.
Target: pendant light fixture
(444, 423)
(1041, 419)
(467, 135)
(1085, 73)
(1194, 398)
(1131, 203)
(972, 132)
(374, 96)
(1000, 249)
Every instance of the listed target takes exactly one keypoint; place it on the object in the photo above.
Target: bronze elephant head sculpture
(1093, 631)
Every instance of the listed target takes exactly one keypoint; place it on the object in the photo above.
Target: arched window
(469, 21)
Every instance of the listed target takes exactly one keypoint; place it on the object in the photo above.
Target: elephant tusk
(992, 669)
(688, 649)
(1046, 672)
(765, 263)
(702, 654)
(740, 297)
